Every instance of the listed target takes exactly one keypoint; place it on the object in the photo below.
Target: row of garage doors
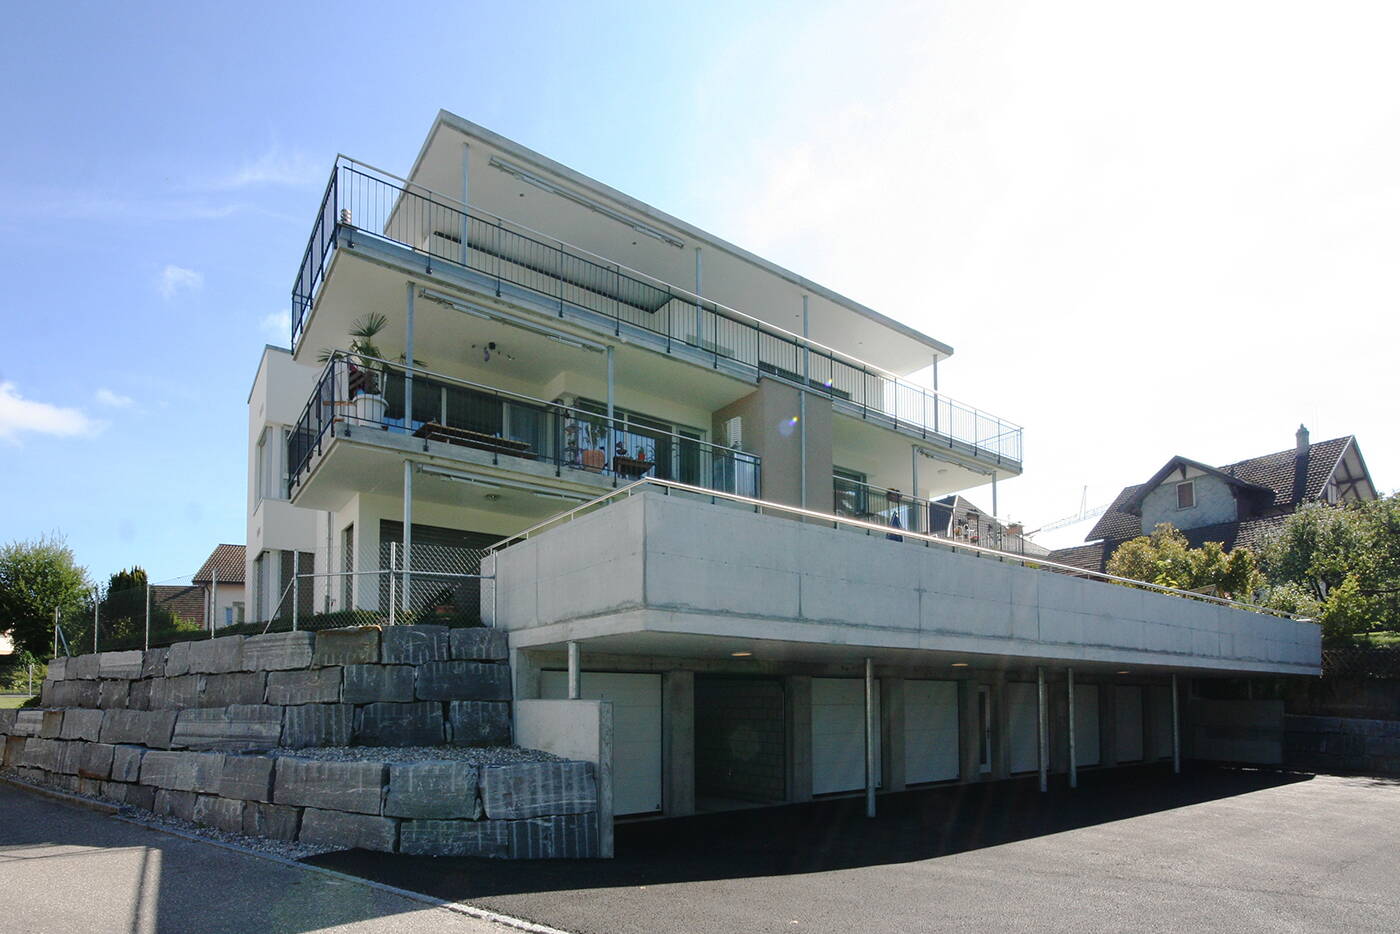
(931, 748)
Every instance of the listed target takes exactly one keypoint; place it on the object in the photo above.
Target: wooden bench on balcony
(432, 431)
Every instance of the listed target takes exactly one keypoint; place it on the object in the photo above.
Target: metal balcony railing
(359, 391)
(363, 202)
(898, 510)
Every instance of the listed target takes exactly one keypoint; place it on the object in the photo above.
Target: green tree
(1166, 559)
(1340, 566)
(35, 578)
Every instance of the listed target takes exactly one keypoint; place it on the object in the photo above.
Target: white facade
(275, 402)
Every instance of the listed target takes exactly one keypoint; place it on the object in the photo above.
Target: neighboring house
(220, 581)
(7, 647)
(549, 340)
(1239, 504)
(186, 601)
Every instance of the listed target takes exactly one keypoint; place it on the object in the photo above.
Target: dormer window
(1186, 494)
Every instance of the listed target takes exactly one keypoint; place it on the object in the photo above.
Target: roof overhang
(567, 205)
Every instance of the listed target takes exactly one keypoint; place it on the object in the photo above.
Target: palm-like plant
(365, 353)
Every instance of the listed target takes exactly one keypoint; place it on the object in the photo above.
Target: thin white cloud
(273, 167)
(114, 399)
(278, 324)
(176, 279)
(19, 415)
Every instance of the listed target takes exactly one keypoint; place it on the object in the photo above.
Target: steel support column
(407, 533)
(575, 676)
(611, 454)
(802, 408)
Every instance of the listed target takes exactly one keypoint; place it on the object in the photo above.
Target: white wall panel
(1023, 724)
(930, 731)
(838, 735)
(636, 700)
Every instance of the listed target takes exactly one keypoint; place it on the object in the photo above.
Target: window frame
(1190, 487)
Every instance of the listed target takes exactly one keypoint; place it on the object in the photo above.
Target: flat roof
(900, 348)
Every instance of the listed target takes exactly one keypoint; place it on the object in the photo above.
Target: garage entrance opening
(740, 743)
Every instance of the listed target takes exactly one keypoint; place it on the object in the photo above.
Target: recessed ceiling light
(1122, 672)
(741, 654)
(959, 664)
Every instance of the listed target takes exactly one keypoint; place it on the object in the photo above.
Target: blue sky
(1145, 232)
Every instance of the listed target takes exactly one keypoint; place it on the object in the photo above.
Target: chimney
(1302, 437)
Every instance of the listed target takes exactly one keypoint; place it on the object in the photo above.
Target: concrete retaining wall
(1342, 744)
(201, 731)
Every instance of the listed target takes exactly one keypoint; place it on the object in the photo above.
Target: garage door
(1161, 713)
(1022, 724)
(838, 735)
(1127, 706)
(930, 731)
(636, 701)
(1086, 724)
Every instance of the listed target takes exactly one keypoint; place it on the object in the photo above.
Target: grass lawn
(1379, 639)
(12, 700)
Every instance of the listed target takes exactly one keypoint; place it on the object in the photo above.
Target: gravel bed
(486, 755)
(259, 844)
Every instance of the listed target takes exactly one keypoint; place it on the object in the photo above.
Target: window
(238, 615)
(1186, 494)
(271, 473)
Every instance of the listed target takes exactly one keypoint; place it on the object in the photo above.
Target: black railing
(363, 203)
(365, 393)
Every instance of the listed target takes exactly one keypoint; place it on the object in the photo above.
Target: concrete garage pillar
(678, 743)
(892, 733)
(1001, 730)
(969, 732)
(1108, 725)
(797, 713)
(526, 673)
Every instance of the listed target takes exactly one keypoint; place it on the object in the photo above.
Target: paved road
(1211, 851)
(65, 870)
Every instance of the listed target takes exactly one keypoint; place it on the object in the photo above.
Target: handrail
(762, 505)
(679, 291)
(606, 436)
(868, 389)
(521, 397)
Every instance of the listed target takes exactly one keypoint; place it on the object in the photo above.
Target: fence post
(296, 589)
(148, 617)
(393, 560)
(55, 632)
(95, 604)
(213, 599)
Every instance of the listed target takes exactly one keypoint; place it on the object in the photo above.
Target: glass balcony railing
(361, 392)
(361, 202)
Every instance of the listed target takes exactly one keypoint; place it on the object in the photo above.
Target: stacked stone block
(207, 731)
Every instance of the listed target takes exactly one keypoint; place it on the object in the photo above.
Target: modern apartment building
(496, 340)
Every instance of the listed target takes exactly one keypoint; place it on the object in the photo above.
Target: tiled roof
(227, 560)
(1279, 472)
(185, 602)
(1089, 557)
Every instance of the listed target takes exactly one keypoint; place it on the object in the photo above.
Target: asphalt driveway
(1213, 850)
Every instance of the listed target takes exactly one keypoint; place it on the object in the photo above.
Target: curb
(63, 797)
(113, 810)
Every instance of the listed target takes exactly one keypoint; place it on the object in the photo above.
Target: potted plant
(364, 377)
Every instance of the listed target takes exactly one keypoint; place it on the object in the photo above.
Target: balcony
(364, 208)
(366, 397)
